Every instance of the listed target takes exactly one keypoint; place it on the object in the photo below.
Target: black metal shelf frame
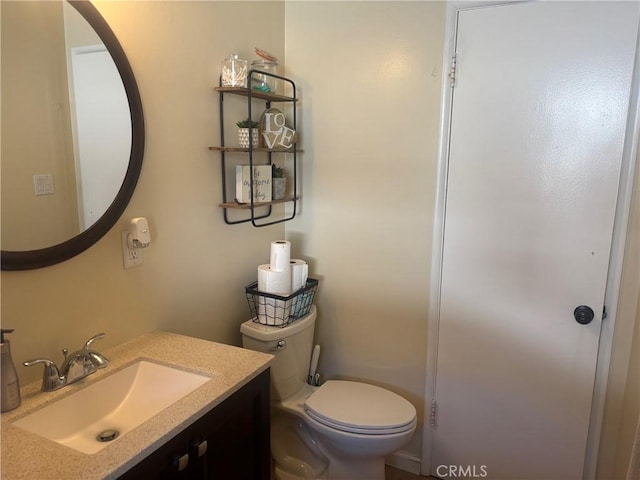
(269, 98)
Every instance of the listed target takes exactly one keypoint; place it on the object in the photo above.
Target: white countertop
(28, 456)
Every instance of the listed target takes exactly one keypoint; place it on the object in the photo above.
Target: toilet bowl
(353, 425)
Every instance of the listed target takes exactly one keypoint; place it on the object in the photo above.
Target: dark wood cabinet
(229, 442)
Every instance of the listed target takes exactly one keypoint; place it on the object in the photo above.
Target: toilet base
(282, 475)
(294, 449)
(355, 470)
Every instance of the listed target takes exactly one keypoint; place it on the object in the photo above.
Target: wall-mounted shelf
(247, 206)
(270, 97)
(228, 203)
(255, 149)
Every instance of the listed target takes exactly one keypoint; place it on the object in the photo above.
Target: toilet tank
(290, 368)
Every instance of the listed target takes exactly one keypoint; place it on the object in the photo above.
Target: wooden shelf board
(256, 149)
(247, 206)
(273, 97)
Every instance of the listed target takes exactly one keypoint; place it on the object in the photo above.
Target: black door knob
(583, 314)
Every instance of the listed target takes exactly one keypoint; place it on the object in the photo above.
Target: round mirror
(72, 131)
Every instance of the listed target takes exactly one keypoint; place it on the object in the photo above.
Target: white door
(103, 126)
(538, 117)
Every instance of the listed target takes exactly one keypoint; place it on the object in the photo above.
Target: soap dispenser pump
(10, 388)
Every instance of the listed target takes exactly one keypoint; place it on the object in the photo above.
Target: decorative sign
(261, 183)
(275, 133)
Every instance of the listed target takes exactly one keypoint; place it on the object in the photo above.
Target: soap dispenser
(10, 387)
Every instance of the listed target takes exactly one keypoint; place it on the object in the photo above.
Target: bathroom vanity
(218, 430)
(229, 442)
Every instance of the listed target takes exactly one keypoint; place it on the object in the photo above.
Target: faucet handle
(36, 361)
(99, 336)
(51, 379)
(98, 359)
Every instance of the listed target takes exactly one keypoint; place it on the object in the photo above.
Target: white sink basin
(119, 402)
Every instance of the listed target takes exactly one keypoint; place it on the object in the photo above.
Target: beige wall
(630, 406)
(370, 78)
(622, 409)
(194, 271)
(35, 102)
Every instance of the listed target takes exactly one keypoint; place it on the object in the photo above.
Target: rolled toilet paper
(280, 255)
(273, 311)
(299, 274)
(273, 281)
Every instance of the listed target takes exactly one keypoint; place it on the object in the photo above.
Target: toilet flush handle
(281, 345)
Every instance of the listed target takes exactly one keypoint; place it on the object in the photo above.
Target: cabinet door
(162, 464)
(237, 433)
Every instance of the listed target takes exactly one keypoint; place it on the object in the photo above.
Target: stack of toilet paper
(282, 276)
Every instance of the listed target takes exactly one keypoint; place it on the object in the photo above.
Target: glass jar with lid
(234, 72)
(264, 83)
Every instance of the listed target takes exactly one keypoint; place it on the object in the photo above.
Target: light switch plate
(43, 184)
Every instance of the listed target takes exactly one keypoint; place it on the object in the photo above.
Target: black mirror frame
(32, 259)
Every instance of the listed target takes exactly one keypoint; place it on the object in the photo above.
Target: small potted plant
(279, 182)
(243, 132)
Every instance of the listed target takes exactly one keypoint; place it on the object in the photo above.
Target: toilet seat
(360, 408)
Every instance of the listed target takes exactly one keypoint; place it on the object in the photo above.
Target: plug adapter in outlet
(131, 257)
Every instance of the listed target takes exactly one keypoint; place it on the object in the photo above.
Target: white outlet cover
(131, 257)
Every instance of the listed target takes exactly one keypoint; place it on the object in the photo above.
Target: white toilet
(344, 429)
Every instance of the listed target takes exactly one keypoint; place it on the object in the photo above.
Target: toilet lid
(360, 408)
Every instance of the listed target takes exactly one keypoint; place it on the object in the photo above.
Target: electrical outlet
(131, 257)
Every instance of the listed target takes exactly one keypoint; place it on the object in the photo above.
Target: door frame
(625, 191)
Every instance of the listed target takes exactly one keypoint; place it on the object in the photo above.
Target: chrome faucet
(75, 366)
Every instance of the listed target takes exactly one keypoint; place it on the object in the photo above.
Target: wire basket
(270, 309)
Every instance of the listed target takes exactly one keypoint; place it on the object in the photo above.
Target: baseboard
(404, 461)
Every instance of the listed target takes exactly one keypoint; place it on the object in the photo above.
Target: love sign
(275, 132)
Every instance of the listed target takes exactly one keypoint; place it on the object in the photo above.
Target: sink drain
(107, 435)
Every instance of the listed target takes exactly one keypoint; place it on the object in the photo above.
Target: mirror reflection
(66, 125)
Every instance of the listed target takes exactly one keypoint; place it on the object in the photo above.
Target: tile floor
(392, 473)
